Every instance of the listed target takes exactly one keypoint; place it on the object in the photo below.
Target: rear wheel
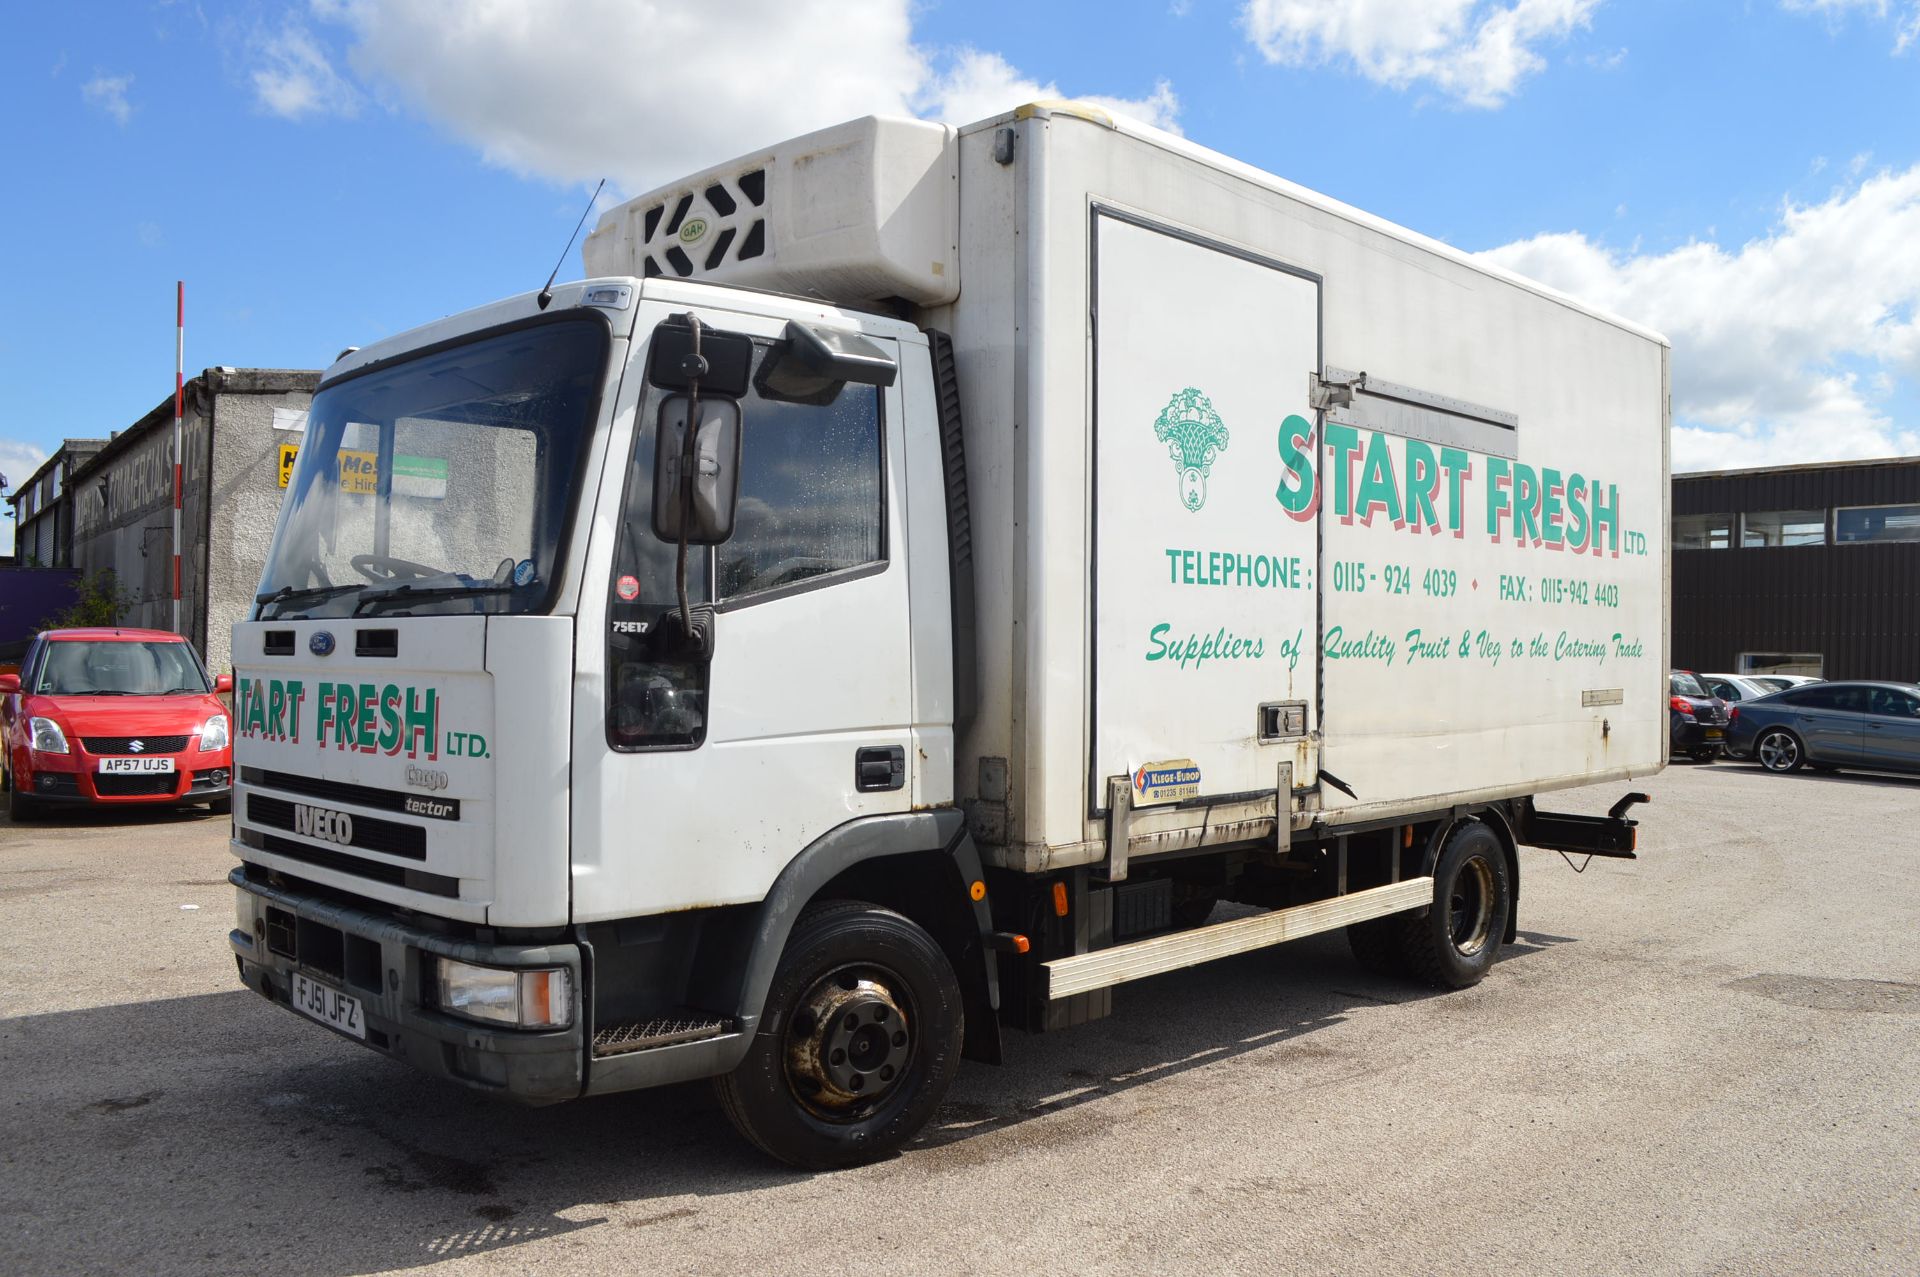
(1453, 946)
(1779, 750)
(1376, 946)
(860, 1040)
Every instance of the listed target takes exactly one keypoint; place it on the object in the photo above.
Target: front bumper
(76, 778)
(386, 965)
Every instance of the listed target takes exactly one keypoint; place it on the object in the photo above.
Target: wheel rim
(1778, 751)
(850, 1042)
(1470, 906)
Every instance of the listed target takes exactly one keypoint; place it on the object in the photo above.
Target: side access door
(1203, 613)
(697, 778)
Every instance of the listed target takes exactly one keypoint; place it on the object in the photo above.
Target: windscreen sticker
(628, 588)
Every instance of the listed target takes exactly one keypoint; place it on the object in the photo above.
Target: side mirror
(705, 506)
(223, 684)
(9, 683)
(811, 363)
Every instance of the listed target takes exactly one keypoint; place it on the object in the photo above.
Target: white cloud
(109, 93)
(295, 78)
(1474, 51)
(1785, 348)
(645, 90)
(18, 460)
(978, 85)
(1906, 16)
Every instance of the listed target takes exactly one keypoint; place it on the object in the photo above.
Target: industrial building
(240, 427)
(1811, 569)
(43, 507)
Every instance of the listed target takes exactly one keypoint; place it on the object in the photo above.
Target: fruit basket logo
(1194, 435)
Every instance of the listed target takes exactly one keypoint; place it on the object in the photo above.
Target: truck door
(696, 780)
(1203, 610)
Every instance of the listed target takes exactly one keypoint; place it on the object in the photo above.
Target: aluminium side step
(1105, 968)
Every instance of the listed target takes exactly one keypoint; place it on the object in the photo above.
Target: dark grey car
(1831, 725)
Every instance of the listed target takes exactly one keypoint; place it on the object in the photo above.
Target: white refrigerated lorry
(1079, 530)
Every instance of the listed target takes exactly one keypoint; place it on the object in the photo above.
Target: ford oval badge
(321, 644)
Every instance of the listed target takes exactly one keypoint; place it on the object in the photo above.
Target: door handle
(879, 767)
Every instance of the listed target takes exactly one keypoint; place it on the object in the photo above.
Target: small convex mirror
(706, 506)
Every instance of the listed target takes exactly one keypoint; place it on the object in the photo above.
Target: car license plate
(1714, 733)
(331, 1007)
(134, 766)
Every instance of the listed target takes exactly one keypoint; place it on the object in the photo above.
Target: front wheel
(1452, 947)
(1779, 750)
(859, 1040)
(20, 807)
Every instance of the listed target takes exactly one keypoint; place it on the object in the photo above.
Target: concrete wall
(123, 519)
(231, 497)
(246, 495)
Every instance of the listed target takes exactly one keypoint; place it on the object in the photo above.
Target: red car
(114, 716)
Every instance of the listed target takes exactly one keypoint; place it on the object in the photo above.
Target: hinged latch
(1324, 393)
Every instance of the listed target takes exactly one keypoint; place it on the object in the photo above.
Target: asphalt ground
(1706, 1060)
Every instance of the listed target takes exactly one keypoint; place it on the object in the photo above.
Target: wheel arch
(921, 865)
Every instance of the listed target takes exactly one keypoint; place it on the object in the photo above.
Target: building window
(1702, 531)
(1783, 527)
(1876, 523)
(1760, 664)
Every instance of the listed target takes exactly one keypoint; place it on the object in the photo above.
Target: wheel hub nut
(849, 1042)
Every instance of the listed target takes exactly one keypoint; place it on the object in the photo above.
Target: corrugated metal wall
(1856, 605)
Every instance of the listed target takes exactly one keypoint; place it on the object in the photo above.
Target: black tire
(221, 806)
(1376, 946)
(1704, 755)
(1453, 946)
(800, 1095)
(20, 808)
(1779, 750)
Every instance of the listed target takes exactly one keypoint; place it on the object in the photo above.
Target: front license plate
(134, 766)
(1714, 733)
(331, 1007)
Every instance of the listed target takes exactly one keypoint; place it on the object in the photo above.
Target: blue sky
(1742, 174)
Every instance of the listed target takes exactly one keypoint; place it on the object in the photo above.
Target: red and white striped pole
(179, 403)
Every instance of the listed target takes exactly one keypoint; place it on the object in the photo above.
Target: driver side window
(811, 513)
(810, 494)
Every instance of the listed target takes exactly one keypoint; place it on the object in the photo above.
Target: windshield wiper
(308, 594)
(174, 691)
(412, 594)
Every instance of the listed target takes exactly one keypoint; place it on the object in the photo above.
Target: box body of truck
(1120, 531)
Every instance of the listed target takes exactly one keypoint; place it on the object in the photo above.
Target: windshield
(441, 484)
(1688, 685)
(119, 667)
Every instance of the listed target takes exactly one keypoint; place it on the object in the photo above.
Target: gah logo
(693, 230)
(1194, 435)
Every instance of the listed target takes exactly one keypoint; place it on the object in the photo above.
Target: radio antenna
(546, 290)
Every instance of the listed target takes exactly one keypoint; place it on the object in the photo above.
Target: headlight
(538, 999)
(213, 735)
(47, 737)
